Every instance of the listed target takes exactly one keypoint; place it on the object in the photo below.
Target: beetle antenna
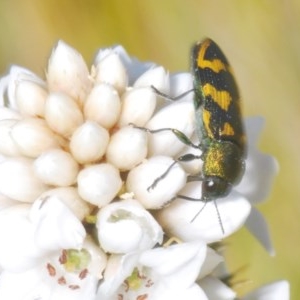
(219, 216)
(217, 210)
(198, 213)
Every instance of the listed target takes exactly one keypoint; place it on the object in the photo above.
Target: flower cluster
(80, 217)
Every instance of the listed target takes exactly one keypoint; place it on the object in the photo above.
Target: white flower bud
(158, 77)
(178, 115)
(18, 180)
(137, 106)
(18, 251)
(33, 136)
(31, 98)
(127, 148)
(68, 73)
(55, 225)
(6, 202)
(103, 105)
(7, 145)
(70, 197)
(7, 113)
(180, 83)
(126, 226)
(89, 142)
(56, 167)
(9, 83)
(62, 114)
(110, 70)
(99, 184)
(180, 217)
(141, 179)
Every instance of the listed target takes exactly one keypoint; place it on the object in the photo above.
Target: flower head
(88, 178)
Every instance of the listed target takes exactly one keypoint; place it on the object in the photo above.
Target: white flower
(126, 226)
(89, 181)
(49, 280)
(32, 257)
(160, 273)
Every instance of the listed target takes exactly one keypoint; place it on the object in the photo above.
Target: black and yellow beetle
(218, 119)
(219, 124)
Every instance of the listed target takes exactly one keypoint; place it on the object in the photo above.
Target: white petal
(33, 136)
(118, 268)
(89, 142)
(55, 225)
(85, 289)
(132, 65)
(161, 291)
(7, 145)
(157, 77)
(99, 184)
(181, 83)
(177, 265)
(111, 70)
(98, 258)
(62, 114)
(70, 197)
(127, 148)
(68, 73)
(126, 226)
(4, 84)
(216, 289)
(30, 285)
(141, 178)
(279, 290)
(137, 106)
(56, 167)
(121, 237)
(31, 98)
(260, 168)
(176, 219)
(9, 83)
(212, 260)
(18, 181)
(103, 105)
(6, 202)
(8, 113)
(18, 250)
(37, 283)
(179, 115)
(257, 225)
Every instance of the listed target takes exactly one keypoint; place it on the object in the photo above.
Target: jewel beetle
(219, 124)
(219, 121)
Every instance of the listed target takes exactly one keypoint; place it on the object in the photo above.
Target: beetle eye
(215, 187)
(208, 187)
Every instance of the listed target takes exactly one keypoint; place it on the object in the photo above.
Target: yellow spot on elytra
(216, 64)
(222, 98)
(206, 117)
(227, 129)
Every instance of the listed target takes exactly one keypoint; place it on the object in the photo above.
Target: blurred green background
(261, 38)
